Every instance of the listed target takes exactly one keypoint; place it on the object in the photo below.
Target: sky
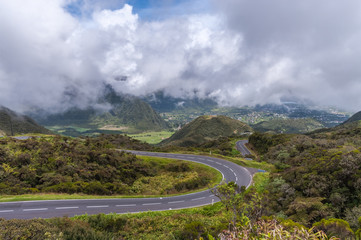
(60, 54)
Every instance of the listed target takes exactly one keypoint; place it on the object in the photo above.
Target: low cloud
(240, 53)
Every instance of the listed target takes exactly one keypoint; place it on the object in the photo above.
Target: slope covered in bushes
(207, 128)
(318, 175)
(91, 166)
(12, 123)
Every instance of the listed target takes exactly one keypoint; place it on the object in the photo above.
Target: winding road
(241, 147)
(60, 208)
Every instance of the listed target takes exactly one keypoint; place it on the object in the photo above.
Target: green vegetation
(223, 147)
(126, 115)
(354, 118)
(185, 224)
(207, 222)
(91, 166)
(311, 190)
(152, 137)
(131, 112)
(290, 125)
(152, 186)
(207, 128)
(317, 177)
(12, 123)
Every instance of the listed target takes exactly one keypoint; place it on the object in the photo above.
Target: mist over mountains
(119, 112)
(231, 51)
(12, 123)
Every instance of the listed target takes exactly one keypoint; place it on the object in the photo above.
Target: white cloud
(244, 53)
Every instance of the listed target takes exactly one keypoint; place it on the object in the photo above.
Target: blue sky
(146, 9)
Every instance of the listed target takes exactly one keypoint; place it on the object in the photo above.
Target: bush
(335, 227)
(96, 188)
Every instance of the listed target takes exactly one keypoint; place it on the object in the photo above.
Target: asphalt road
(60, 208)
(240, 146)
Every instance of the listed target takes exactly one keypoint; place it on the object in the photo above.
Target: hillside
(92, 166)
(133, 112)
(12, 123)
(163, 103)
(318, 175)
(206, 128)
(354, 118)
(288, 125)
(124, 114)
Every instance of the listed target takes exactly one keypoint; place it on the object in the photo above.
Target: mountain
(179, 111)
(12, 123)
(206, 128)
(122, 113)
(133, 112)
(302, 125)
(354, 118)
(163, 103)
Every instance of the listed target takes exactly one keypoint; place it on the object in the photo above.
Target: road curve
(240, 146)
(60, 208)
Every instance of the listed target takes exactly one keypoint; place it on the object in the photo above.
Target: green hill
(288, 125)
(12, 123)
(125, 114)
(354, 118)
(317, 174)
(206, 128)
(133, 112)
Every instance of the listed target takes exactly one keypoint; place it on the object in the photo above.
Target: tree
(231, 197)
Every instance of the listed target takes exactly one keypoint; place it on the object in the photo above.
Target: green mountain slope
(133, 112)
(354, 118)
(206, 128)
(318, 175)
(123, 112)
(288, 125)
(12, 123)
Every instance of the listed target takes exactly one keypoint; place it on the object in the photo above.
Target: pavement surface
(59, 208)
(241, 147)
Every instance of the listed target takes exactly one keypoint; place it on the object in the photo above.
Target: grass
(260, 181)
(217, 178)
(168, 224)
(152, 137)
(198, 167)
(60, 129)
(91, 131)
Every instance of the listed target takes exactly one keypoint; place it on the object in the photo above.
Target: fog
(238, 52)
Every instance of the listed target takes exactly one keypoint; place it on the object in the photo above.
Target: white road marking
(35, 209)
(148, 204)
(126, 205)
(236, 179)
(176, 202)
(6, 211)
(63, 208)
(102, 206)
(211, 195)
(198, 198)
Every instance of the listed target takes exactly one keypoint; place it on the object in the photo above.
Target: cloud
(240, 53)
(320, 38)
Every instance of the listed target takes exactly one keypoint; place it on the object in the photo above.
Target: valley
(89, 168)
(180, 120)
